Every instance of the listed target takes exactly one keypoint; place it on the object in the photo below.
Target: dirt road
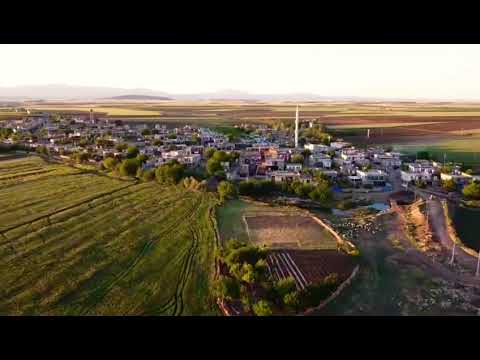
(439, 227)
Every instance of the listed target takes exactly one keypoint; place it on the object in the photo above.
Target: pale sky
(407, 71)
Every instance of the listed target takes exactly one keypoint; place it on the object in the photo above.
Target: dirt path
(439, 227)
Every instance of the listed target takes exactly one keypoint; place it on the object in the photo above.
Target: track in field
(104, 290)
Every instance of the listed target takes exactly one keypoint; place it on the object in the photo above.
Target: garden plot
(288, 231)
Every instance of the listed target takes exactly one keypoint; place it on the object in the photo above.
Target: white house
(293, 167)
(373, 177)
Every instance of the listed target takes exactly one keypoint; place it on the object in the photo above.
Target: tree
(226, 190)
(213, 166)
(306, 153)
(146, 132)
(262, 308)
(157, 142)
(297, 158)
(420, 184)
(292, 300)
(208, 153)
(132, 152)
(221, 156)
(449, 185)
(121, 147)
(284, 286)
(472, 190)
(227, 288)
(170, 173)
(129, 167)
(142, 158)
(81, 157)
(110, 163)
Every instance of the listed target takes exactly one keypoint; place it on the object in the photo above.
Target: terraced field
(76, 243)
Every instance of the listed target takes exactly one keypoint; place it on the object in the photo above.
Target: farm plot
(309, 266)
(83, 244)
(288, 231)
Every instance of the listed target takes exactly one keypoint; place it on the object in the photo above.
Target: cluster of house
(265, 154)
(339, 159)
(430, 172)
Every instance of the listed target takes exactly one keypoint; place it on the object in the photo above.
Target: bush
(449, 185)
(314, 294)
(129, 167)
(170, 173)
(208, 153)
(298, 158)
(148, 175)
(110, 163)
(262, 308)
(226, 190)
(284, 286)
(292, 300)
(132, 152)
(472, 190)
(245, 254)
(226, 288)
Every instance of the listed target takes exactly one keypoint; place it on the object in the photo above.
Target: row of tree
(321, 191)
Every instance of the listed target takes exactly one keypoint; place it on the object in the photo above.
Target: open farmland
(76, 243)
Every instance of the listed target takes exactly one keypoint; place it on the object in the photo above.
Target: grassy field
(466, 221)
(462, 150)
(382, 125)
(76, 243)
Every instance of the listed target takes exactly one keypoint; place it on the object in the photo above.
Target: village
(263, 153)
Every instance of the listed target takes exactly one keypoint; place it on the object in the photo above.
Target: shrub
(226, 288)
(472, 190)
(132, 152)
(110, 163)
(170, 173)
(148, 175)
(226, 190)
(284, 286)
(128, 167)
(262, 308)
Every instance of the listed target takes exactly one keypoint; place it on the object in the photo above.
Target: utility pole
(478, 265)
(453, 254)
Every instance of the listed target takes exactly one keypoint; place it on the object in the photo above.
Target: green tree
(213, 166)
(472, 190)
(449, 185)
(226, 190)
(132, 152)
(110, 163)
(142, 158)
(297, 158)
(129, 167)
(226, 288)
(284, 286)
(146, 132)
(262, 308)
(208, 153)
(306, 153)
(121, 147)
(157, 142)
(170, 173)
(292, 300)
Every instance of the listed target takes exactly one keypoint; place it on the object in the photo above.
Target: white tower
(296, 128)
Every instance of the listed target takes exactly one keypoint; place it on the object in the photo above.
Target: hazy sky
(431, 71)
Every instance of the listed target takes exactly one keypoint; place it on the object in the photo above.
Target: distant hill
(139, 97)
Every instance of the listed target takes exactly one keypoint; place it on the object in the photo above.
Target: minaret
(296, 128)
(91, 116)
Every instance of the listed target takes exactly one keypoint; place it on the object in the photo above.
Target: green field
(466, 221)
(460, 150)
(77, 243)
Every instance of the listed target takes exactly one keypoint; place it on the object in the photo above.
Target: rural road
(439, 227)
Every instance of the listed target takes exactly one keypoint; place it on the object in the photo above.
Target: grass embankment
(74, 243)
(465, 222)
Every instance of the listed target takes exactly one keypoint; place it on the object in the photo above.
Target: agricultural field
(308, 267)
(466, 222)
(77, 243)
(288, 231)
